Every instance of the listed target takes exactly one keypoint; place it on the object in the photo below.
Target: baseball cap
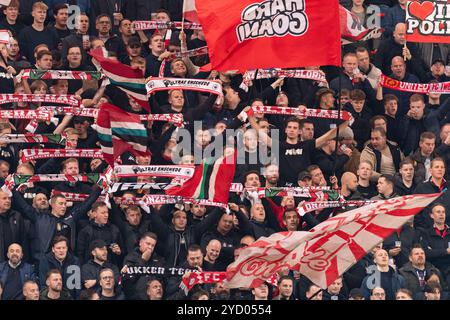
(97, 244)
(304, 175)
(438, 61)
(356, 293)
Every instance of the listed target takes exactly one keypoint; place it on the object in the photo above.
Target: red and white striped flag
(190, 11)
(4, 36)
(331, 248)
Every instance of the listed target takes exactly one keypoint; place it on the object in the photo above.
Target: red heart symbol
(421, 10)
(441, 26)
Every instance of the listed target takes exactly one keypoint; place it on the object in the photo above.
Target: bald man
(349, 190)
(349, 183)
(210, 262)
(395, 46)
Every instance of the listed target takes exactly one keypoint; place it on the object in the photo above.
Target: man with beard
(54, 290)
(14, 273)
(271, 175)
(90, 271)
(417, 269)
(220, 292)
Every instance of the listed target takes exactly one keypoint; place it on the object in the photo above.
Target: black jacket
(176, 242)
(331, 164)
(14, 229)
(400, 188)
(408, 237)
(360, 124)
(130, 234)
(230, 240)
(412, 281)
(68, 267)
(93, 231)
(134, 286)
(423, 219)
(65, 295)
(91, 271)
(435, 247)
(46, 223)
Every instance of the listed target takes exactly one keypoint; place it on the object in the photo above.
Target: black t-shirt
(368, 192)
(295, 158)
(14, 28)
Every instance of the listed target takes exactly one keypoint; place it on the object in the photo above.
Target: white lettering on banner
(294, 152)
(273, 18)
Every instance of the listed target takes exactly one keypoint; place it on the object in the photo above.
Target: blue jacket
(397, 282)
(411, 129)
(26, 272)
(45, 222)
(393, 16)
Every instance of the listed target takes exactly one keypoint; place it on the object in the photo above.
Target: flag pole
(337, 126)
(182, 18)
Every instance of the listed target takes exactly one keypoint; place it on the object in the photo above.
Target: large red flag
(251, 34)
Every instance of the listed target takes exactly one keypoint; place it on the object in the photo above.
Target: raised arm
(330, 135)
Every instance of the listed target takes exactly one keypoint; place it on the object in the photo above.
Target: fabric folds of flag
(189, 11)
(211, 180)
(129, 80)
(120, 131)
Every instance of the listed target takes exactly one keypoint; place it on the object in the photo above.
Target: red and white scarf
(140, 25)
(163, 84)
(175, 118)
(423, 88)
(152, 199)
(39, 114)
(182, 171)
(211, 277)
(34, 138)
(316, 75)
(310, 113)
(34, 154)
(190, 53)
(47, 98)
(59, 74)
(319, 205)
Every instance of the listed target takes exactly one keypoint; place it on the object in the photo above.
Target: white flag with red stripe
(190, 11)
(352, 28)
(331, 248)
(4, 36)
